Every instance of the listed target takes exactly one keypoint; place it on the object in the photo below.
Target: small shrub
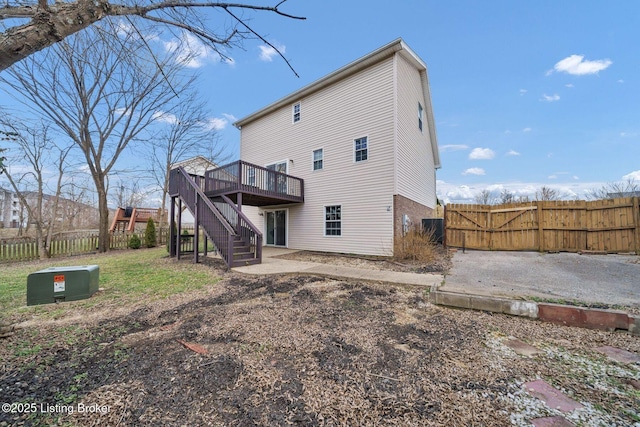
(415, 245)
(150, 234)
(134, 242)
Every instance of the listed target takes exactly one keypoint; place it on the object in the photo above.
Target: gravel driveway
(593, 279)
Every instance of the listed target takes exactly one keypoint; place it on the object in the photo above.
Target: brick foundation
(415, 211)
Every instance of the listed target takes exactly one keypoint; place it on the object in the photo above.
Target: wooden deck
(259, 186)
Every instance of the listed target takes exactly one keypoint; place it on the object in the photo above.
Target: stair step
(245, 262)
(243, 255)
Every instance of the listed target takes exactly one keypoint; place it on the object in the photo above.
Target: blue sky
(524, 94)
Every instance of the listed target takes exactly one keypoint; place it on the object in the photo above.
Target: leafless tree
(507, 196)
(187, 134)
(49, 22)
(485, 197)
(613, 190)
(128, 193)
(34, 145)
(545, 193)
(101, 98)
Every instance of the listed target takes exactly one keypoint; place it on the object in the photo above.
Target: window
(318, 157)
(361, 149)
(333, 220)
(296, 113)
(420, 114)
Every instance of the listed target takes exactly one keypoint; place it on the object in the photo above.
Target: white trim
(313, 160)
(324, 221)
(286, 227)
(353, 148)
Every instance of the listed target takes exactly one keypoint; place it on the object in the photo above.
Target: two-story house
(352, 156)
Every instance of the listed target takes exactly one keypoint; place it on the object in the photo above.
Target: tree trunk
(103, 229)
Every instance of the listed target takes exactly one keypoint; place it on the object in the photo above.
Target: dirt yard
(307, 351)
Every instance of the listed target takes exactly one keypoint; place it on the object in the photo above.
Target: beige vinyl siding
(415, 167)
(360, 105)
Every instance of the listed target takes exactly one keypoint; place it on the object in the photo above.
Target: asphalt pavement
(604, 279)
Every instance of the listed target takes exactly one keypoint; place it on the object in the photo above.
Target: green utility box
(58, 284)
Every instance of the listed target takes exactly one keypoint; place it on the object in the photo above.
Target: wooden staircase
(237, 240)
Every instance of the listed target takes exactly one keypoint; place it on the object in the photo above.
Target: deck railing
(244, 177)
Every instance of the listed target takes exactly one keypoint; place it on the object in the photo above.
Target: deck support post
(179, 237)
(172, 231)
(196, 231)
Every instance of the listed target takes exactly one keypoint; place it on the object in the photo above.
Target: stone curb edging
(583, 317)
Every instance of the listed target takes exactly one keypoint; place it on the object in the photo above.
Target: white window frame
(296, 116)
(420, 117)
(313, 159)
(355, 141)
(324, 220)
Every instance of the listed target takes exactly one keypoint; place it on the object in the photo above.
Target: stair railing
(222, 223)
(213, 223)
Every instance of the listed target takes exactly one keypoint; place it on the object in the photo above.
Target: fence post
(444, 227)
(636, 223)
(539, 212)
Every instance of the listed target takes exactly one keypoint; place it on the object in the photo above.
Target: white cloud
(577, 66)
(216, 123)
(620, 81)
(513, 153)
(219, 123)
(454, 147)
(191, 52)
(168, 118)
(569, 85)
(552, 177)
(523, 91)
(121, 111)
(527, 130)
(628, 134)
(126, 30)
(550, 98)
(474, 171)
(462, 193)
(267, 53)
(482, 154)
(635, 175)
(230, 117)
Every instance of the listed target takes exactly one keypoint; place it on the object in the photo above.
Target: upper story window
(296, 112)
(318, 159)
(420, 115)
(361, 149)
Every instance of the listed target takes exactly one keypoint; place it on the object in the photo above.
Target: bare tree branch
(51, 23)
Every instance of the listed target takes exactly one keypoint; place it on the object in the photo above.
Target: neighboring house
(197, 165)
(345, 164)
(364, 142)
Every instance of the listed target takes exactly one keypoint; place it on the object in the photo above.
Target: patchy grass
(125, 277)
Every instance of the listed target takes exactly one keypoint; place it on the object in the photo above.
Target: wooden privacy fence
(26, 248)
(611, 226)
